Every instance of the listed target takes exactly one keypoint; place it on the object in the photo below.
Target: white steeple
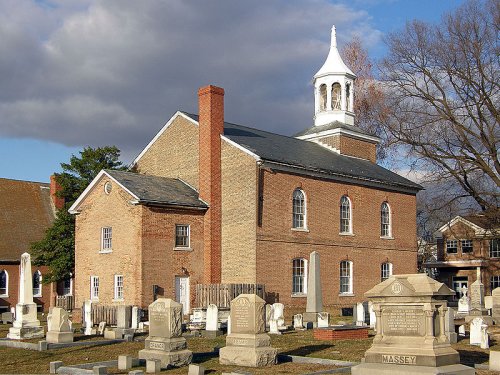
(334, 89)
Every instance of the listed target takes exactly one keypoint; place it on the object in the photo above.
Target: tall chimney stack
(211, 126)
(54, 188)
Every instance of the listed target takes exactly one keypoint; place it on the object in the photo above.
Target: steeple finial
(334, 37)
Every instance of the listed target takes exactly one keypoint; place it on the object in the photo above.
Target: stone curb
(318, 361)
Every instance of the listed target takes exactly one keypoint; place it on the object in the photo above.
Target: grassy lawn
(294, 343)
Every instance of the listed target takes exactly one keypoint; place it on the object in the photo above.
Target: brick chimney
(54, 188)
(211, 126)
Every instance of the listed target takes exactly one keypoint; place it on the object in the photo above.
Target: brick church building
(208, 201)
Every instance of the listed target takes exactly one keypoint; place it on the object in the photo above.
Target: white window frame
(349, 277)
(494, 253)
(183, 247)
(70, 286)
(494, 279)
(467, 243)
(94, 288)
(39, 292)
(299, 217)
(342, 212)
(385, 271)
(6, 294)
(106, 239)
(450, 242)
(302, 278)
(118, 288)
(385, 225)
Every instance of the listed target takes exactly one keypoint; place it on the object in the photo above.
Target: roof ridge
(28, 181)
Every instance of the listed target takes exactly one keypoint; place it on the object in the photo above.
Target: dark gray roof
(304, 157)
(158, 190)
(330, 126)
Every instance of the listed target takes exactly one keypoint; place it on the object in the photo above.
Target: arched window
(299, 276)
(299, 209)
(347, 97)
(4, 283)
(336, 96)
(322, 97)
(37, 284)
(345, 215)
(385, 271)
(346, 277)
(385, 220)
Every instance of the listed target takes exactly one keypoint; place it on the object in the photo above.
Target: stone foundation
(246, 356)
(59, 337)
(22, 333)
(393, 369)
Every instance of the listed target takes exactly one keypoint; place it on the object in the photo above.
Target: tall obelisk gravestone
(26, 325)
(314, 294)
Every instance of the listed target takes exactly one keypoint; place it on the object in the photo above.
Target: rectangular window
(67, 289)
(385, 271)
(495, 248)
(299, 276)
(118, 287)
(182, 235)
(466, 246)
(94, 287)
(495, 282)
(451, 246)
(346, 277)
(106, 237)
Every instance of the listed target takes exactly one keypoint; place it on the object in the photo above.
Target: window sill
(346, 294)
(4, 296)
(118, 300)
(36, 296)
(183, 249)
(105, 251)
(346, 234)
(386, 237)
(299, 295)
(300, 230)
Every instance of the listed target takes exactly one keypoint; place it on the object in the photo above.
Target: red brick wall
(278, 244)
(344, 334)
(13, 293)
(160, 262)
(211, 125)
(352, 146)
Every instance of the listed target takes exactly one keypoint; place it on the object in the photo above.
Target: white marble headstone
(298, 321)
(475, 331)
(323, 320)
(87, 317)
(278, 314)
(360, 314)
(212, 318)
(373, 317)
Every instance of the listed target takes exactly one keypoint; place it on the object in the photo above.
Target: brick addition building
(27, 209)
(211, 202)
(465, 244)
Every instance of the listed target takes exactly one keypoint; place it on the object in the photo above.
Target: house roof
(158, 190)
(481, 223)
(26, 211)
(333, 126)
(300, 156)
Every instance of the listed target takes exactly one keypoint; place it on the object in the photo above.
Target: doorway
(182, 292)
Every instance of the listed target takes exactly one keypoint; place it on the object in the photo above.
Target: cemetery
(403, 327)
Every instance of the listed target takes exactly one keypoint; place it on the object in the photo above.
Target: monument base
(247, 356)
(59, 337)
(20, 333)
(310, 317)
(175, 359)
(393, 369)
(212, 334)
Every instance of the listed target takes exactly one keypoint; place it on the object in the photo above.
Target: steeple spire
(333, 43)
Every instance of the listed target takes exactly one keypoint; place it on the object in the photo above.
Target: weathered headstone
(124, 321)
(461, 331)
(475, 331)
(124, 362)
(410, 335)
(87, 317)
(212, 322)
(314, 293)
(273, 327)
(360, 314)
(278, 314)
(268, 314)
(136, 317)
(59, 326)
(449, 326)
(323, 320)
(298, 322)
(165, 341)
(495, 311)
(485, 338)
(101, 328)
(464, 302)
(229, 325)
(248, 344)
(494, 360)
(196, 370)
(7, 317)
(26, 325)
(373, 317)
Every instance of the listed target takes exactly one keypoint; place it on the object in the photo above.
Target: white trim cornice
(339, 131)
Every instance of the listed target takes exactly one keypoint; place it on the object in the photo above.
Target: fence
(66, 302)
(222, 294)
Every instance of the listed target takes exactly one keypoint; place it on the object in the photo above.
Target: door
(182, 292)
(458, 283)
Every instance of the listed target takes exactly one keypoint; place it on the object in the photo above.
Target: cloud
(113, 72)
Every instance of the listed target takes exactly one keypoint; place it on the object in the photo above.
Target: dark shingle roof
(26, 212)
(489, 220)
(331, 126)
(312, 159)
(158, 190)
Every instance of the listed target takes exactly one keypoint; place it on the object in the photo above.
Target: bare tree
(442, 84)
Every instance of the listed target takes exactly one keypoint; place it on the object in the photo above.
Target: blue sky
(81, 72)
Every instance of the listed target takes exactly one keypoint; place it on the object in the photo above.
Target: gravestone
(278, 314)
(26, 325)
(475, 331)
(248, 344)
(360, 314)
(101, 328)
(136, 317)
(268, 314)
(449, 326)
(165, 341)
(229, 325)
(212, 322)
(373, 318)
(463, 302)
(124, 321)
(485, 338)
(273, 327)
(314, 294)
(461, 331)
(298, 322)
(7, 317)
(495, 311)
(59, 327)
(87, 317)
(323, 320)
(410, 329)
(494, 362)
